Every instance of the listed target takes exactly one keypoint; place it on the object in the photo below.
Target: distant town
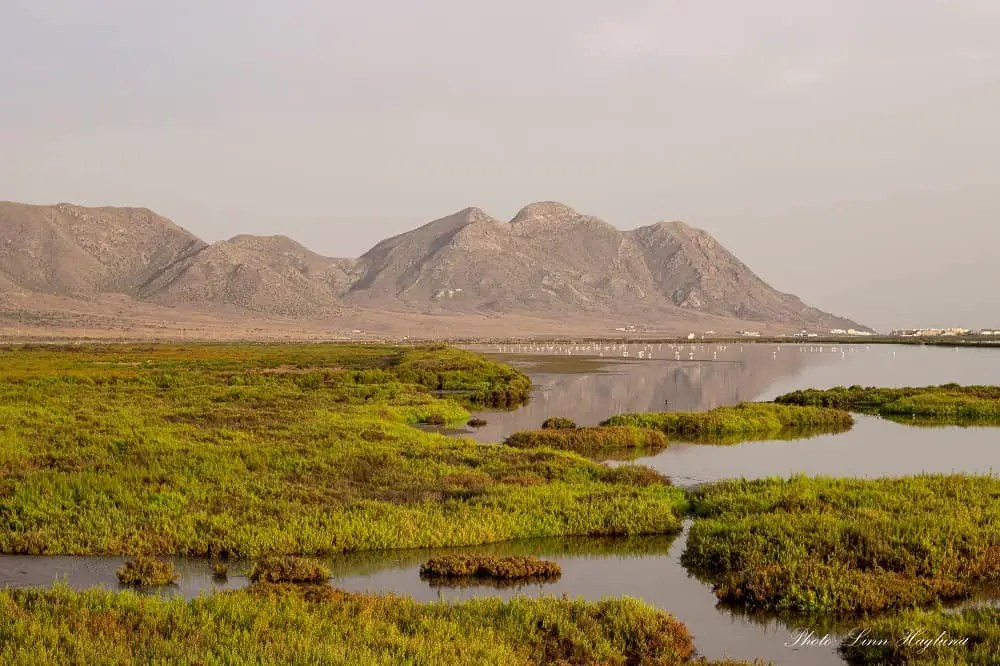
(899, 333)
(916, 332)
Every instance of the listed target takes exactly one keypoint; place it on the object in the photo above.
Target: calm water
(589, 385)
(589, 388)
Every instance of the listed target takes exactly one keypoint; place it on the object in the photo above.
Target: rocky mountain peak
(543, 210)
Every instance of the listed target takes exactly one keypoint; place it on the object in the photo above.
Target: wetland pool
(647, 568)
(588, 388)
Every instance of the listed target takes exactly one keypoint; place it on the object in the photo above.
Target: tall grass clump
(488, 566)
(557, 423)
(146, 571)
(948, 403)
(590, 440)
(846, 545)
(746, 421)
(288, 569)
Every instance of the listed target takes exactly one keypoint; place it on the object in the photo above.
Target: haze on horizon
(847, 151)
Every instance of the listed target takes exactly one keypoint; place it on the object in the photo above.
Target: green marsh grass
(146, 571)
(844, 545)
(591, 440)
(320, 625)
(288, 569)
(969, 637)
(250, 450)
(945, 404)
(743, 422)
(512, 567)
(557, 423)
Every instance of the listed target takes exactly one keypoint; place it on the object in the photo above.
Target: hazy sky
(847, 150)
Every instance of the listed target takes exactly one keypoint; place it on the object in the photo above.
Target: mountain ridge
(547, 261)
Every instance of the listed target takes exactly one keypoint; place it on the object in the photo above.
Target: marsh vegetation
(321, 625)
(845, 545)
(250, 450)
(146, 571)
(945, 404)
(557, 423)
(591, 441)
(743, 422)
(288, 569)
(513, 567)
(278, 452)
(924, 637)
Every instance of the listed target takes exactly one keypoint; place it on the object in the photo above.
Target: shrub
(558, 423)
(221, 570)
(487, 566)
(145, 571)
(288, 569)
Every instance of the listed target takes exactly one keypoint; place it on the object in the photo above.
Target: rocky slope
(268, 274)
(548, 262)
(74, 251)
(551, 259)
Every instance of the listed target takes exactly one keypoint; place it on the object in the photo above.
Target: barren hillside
(548, 263)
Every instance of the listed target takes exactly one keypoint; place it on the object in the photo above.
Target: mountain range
(548, 263)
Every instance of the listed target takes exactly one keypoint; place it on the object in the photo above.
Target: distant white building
(916, 332)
